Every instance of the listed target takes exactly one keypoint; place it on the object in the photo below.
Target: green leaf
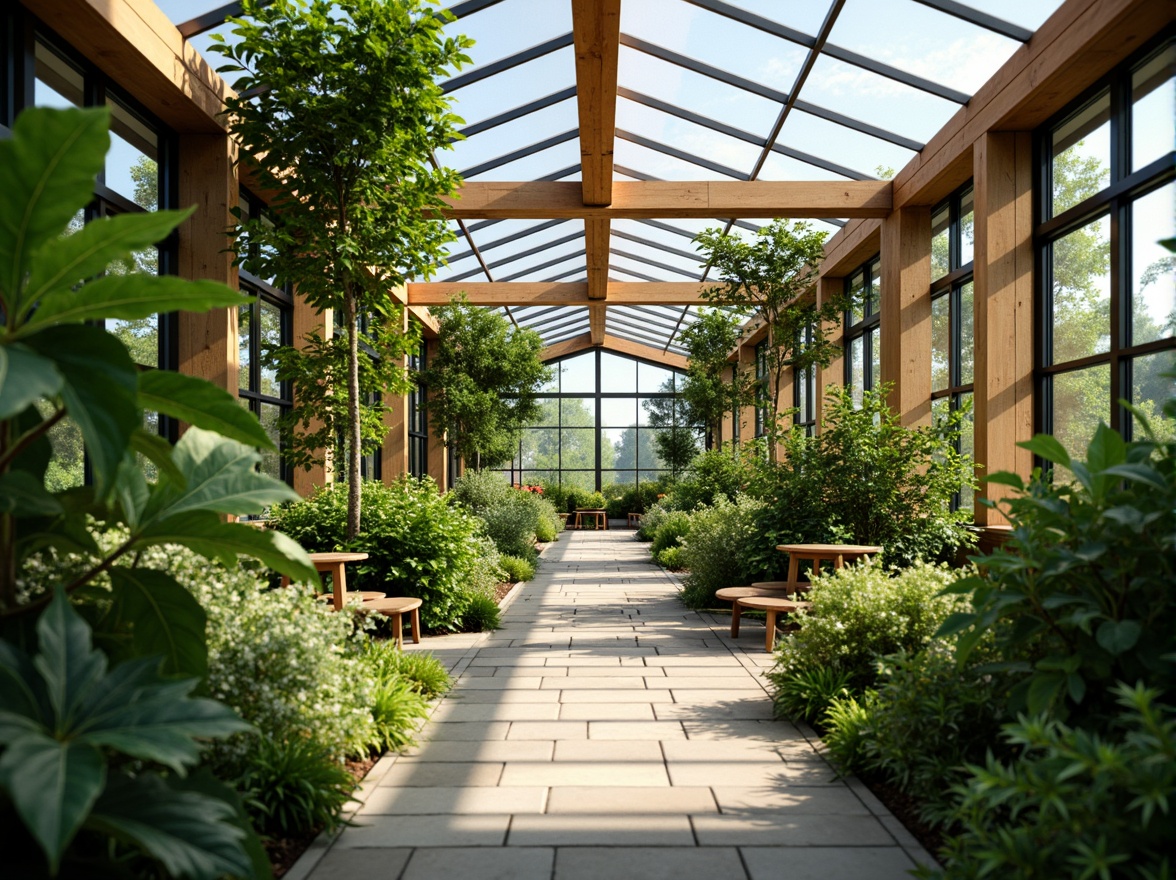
(89, 252)
(205, 533)
(23, 495)
(67, 661)
(1139, 473)
(52, 785)
(1118, 636)
(47, 173)
(192, 834)
(157, 451)
(133, 296)
(23, 701)
(1106, 450)
(1006, 478)
(165, 619)
(202, 404)
(203, 782)
(100, 389)
(1043, 688)
(1047, 447)
(25, 378)
(955, 622)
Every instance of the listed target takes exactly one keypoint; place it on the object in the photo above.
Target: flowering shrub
(671, 532)
(863, 612)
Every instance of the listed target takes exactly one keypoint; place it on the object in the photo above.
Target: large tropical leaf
(66, 661)
(23, 495)
(23, 701)
(47, 172)
(101, 384)
(132, 296)
(25, 378)
(192, 834)
(200, 403)
(89, 252)
(52, 784)
(166, 620)
(203, 782)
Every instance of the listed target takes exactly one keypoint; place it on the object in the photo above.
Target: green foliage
(517, 569)
(709, 389)
(580, 499)
(716, 473)
(928, 719)
(655, 515)
(479, 490)
(863, 612)
(672, 558)
(423, 672)
(484, 380)
(72, 733)
(770, 278)
(512, 524)
(418, 543)
(848, 723)
(338, 107)
(548, 528)
(1080, 596)
(671, 531)
(714, 552)
(397, 711)
(294, 786)
(1076, 803)
(631, 499)
(806, 693)
(481, 615)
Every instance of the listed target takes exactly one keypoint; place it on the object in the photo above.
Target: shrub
(631, 499)
(486, 573)
(511, 525)
(517, 569)
(582, 499)
(482, 615)
(717, 473)
(418, 544)
(1075, 803)
(653, 518)
(806, 694)
(671, 531)
(848, 723)
(423, 672)
(929, 719)
(294, 786)
(715, 550)
(478, 491)
(1081, 594)
(672, 558)
(862, 612)
(546, 530)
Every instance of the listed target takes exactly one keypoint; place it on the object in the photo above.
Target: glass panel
(1081, 155)
(58, 83)
(967, 227)
(967, 334)
(618, 375)
(578, 448)
(1080, 400)
(548, 413)
(1082, 292)
(1153, 124)
(941, 343)
(618, 412)
(131, 163)
(578, 412)
(244, 356)
(941, 242)
(271, 462)
(651, 379)
(857, 374)
(578, 374)
(271, 338)
(874, 294)
(1150, 388)
(541, 448)
(647, 454)
(585, 480)
(67, 464)
(857, 290)
(1153, 306)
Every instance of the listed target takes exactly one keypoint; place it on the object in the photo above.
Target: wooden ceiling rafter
(559, 293)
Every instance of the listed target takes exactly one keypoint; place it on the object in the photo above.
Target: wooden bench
(635, 520)
(599, 518)
(734, 594)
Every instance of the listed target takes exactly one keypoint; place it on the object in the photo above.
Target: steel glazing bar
(982, 19)
(521, 255)
(485, 71)
(648, 242)
(561, 259)
(206, 22)
(507, 239)
(469, 7)
(521, 153)
(561, 293)
(651, 262)
(631, 273)
(518, 112)
(701, 162)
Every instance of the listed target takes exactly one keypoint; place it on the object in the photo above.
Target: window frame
(868, 327)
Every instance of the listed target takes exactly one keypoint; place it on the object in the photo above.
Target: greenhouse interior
(572, 439)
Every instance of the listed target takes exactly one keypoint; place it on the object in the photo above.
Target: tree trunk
(354, 441)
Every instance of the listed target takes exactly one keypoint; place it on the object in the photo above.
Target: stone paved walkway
(608, 732)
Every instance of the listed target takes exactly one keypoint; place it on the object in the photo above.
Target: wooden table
(838, 554)
(599, 518)
(332, 564)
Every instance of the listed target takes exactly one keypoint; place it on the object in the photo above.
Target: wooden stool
(734, 594)
(635, 520)
(789, 586)
(356, 596)
(394, 608)
(332, 564)
(773, 606)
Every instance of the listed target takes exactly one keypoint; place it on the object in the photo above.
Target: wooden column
(208, 341)
(747, 413)
(905, 330)
(438, 455)
(307, 320)
(834, 374)
(394, 452)
(727, 426)
(1003, 284)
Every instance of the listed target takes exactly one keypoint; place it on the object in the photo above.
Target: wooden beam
(596, 321)
(644, 199)
(559, 293)
(596, 235)
(583, 342)
(648, 352)
(427, 319)
(596, 31)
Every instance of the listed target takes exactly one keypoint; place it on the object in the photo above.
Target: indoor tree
(771, 277)
(338, 108)
(714, 386)
(483, 381)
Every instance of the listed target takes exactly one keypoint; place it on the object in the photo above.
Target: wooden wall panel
(394, 452)
(905, 328)
(307, 320)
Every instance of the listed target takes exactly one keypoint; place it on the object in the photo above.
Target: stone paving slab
(606, 731)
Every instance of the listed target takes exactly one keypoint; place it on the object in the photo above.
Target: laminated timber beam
(583, 342)
(662, 199)
(559, 293)
(596, 321)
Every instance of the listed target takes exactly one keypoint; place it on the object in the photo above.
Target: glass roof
(701, 86)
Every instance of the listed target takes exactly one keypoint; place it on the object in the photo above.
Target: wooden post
(834, 374)
(307, 320)
(1003, 284)
(208, 340)
(438, 453)
(905, 329)
(394, 452)
(747, 413)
